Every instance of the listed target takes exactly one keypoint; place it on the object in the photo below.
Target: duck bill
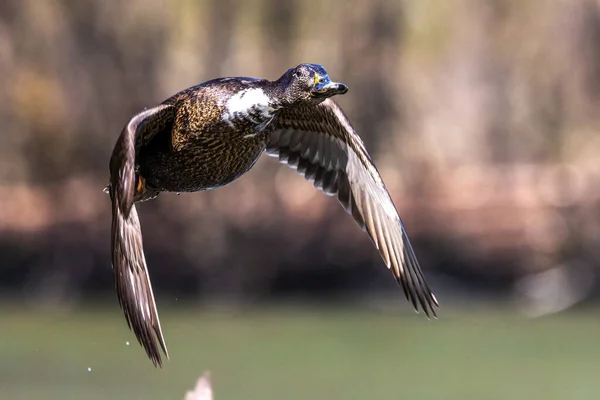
(328, 89)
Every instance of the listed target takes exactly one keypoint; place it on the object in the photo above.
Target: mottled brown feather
(322, 144)
(200, 151)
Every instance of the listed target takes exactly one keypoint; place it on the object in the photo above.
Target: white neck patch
(247, 101)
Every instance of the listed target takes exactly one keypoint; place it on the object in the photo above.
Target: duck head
(308, 84)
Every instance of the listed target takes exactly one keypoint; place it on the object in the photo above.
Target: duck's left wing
(132, 281)
(322, 145)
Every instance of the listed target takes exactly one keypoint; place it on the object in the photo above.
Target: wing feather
(134, 289)
(322, 145)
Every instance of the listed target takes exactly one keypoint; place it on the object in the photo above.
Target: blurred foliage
(481, 115)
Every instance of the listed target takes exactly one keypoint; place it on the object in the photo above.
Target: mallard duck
(209, 135)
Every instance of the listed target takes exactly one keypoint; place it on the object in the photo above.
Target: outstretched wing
(322, 145)
(129, 265)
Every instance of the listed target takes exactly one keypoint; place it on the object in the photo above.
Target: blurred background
(482, 117)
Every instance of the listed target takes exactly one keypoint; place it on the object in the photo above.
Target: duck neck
(276, 93)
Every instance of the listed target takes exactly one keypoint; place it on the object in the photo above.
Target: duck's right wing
(322, 145)
(129, 265)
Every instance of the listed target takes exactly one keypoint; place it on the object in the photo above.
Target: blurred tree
(482, 117)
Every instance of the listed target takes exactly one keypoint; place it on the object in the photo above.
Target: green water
(303, 354)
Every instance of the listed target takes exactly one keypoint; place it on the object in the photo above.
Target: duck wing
(322, 145)
(133, 285)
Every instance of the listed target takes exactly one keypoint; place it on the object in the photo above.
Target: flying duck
(209, 135)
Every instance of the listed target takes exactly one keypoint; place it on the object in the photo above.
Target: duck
(209, 135)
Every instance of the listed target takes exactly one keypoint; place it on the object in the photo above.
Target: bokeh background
(482, 116)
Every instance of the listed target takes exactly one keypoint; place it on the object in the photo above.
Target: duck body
(218, 133)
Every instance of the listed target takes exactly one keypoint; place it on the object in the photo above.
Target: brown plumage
(211, 134)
